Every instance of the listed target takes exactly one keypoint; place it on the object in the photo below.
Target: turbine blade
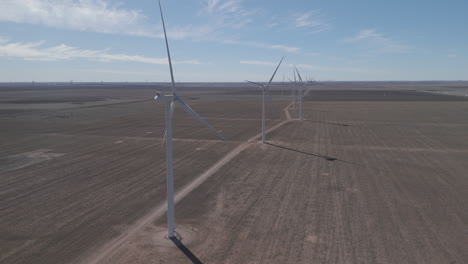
(261, 85)
(298, 74)
(294, 74)
(274, 73)
(167, 48)
(266, 89)
(198, 117)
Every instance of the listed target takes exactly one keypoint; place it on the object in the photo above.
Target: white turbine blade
(298, 74)
(294, 74)
(172, 113)
(198, 117)
(268, 85)
(167, 48)
(261, 85)
(300, 81)
(274, 73)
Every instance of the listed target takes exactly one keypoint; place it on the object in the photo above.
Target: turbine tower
(265, 89)
(300, 93)
(294, 91)
(169, 101)
(282, 87)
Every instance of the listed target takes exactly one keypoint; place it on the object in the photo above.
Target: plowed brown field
(366, 179)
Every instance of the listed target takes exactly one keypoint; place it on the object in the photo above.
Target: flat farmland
(76, 175)
(373, 176)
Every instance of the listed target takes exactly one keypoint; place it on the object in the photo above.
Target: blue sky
(233, 40)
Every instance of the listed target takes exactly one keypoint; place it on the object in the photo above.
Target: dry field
(371, 176)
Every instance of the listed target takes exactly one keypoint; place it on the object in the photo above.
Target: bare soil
(364, 179)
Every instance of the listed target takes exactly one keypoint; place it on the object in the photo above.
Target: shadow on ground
(186, 251)
(303, 152)
(328, 123)
(328, 158)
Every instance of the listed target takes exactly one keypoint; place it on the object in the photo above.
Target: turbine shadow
(303, 152)
(328, 123)
(185, 250)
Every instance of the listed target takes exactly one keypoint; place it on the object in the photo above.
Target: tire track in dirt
(159, 211)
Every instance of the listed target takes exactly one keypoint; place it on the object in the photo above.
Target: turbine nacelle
(157, 97)
(160, 97)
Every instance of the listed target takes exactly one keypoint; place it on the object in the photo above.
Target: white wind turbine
(265, 89)
(294, 91)
(169, 101)
(282, 87)
(300, 93)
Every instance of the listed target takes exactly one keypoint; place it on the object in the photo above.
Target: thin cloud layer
(3, 39)
(105, 16)
(313, 21)
(228, 13)
(283, 48)
(307, 66)
(378, 42)
(256, 62)
(35, 51)
(84, 15)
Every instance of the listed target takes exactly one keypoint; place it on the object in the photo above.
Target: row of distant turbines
(296, 92)
(171, 99)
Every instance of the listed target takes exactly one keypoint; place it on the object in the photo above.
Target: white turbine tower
(169, 101)
(294, 91)
(282, 87)
(265, 89)
(300, 93)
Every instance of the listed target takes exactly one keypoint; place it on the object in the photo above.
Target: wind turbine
(265, 89)
(294, 93)
(282, 87)
(300, 93)
(170, 101)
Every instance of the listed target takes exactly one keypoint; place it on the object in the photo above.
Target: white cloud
(193, 32)
(378, 42)
(228, 13)
(101, 16)
(308, 66)
(120, 72)
(271, 63)
(273, 24)
(364, 34)
(311, 53)
(36, 51)
(283, 48)
(255, 62)
(3, 39)
(313, 21)
(452, 55)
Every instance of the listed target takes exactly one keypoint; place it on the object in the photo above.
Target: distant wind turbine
(300, 92)
(169, 101)
(295, 91)
(265, 90)
(282, 87)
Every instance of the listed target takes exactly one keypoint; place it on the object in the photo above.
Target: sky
(233, 40)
